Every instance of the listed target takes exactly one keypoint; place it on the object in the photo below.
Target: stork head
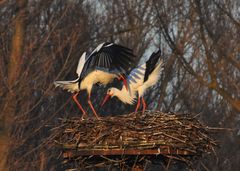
(110, 93)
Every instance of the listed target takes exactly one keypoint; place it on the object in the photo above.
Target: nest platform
(132, 139)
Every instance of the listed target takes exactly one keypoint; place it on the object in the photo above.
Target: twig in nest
(176, 137)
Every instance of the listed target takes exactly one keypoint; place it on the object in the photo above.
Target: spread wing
(81, 64)
(144, 73)
(109, 57)
(136, 78)
(151, 64)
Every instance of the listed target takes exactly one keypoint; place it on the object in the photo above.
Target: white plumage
(106, 62)
(72, 85)
(139, 80)
(122, 95)
(152, 80)
(81, 63)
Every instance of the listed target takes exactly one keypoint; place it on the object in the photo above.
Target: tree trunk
(14, 67)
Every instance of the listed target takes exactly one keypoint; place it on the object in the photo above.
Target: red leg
(138, 104)
(144, 105)
(90, 104)
(79, 105)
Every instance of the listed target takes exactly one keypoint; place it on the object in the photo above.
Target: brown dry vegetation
(41, 41)
(130, 140)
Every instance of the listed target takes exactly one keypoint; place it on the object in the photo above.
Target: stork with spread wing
(138, 81)
(107, 62)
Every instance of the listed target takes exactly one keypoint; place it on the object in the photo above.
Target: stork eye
(109, 91)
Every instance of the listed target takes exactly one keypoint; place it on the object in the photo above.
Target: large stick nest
(176, 136)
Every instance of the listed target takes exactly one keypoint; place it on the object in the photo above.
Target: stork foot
(83, 117)
(97, 117)
(138, 105)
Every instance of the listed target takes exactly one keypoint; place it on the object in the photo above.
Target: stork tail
(71, 86)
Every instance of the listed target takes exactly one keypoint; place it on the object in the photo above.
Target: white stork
(106, 62)
(138, 81)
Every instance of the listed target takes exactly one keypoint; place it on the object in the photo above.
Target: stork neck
(124, 96)
(117, 93)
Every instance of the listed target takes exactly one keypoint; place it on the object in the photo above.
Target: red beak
(105, 99)
(124, 81)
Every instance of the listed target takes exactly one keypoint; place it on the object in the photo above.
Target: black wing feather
(111, 58)
(151, 64)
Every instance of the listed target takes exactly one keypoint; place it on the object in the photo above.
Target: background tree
(13, 72)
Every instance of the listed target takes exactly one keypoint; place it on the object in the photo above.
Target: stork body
(107, 62)
(138, 81)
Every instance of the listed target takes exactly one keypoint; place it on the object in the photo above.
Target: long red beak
(105, 99)
(124, 81)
